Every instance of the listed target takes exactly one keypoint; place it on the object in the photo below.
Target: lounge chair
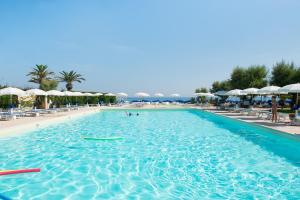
(7, 117)
(267, 115)
(282, 117)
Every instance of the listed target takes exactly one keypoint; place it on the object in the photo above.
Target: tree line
(47, 80)
(257, 76)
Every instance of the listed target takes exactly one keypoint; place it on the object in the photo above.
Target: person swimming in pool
(137, 114)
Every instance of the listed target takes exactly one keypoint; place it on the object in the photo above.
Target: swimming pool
(165, 154)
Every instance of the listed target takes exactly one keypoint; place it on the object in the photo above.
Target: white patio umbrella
(235, 92)
(233, 99)
(142, 94)
(221, 93)
(55, 93)
(68, 93)
(87, 94)
(292, 88)
(36, 92)
(207, 95)
(159, 95)
(77, 94)
(269, 90)
(122, 94)
(109, 95)
(98, 94)
(250, 91)
(175, 95)
(204, 94)
(12, 91)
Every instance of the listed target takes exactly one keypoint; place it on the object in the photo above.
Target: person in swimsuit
(274, 109)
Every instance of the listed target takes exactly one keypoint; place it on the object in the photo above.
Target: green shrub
(5, 102)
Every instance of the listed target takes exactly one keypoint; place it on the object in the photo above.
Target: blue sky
(145, 45)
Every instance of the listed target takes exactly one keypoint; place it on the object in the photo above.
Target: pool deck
(26, 124)
(281, 126)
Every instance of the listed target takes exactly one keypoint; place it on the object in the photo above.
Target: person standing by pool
(274, 109)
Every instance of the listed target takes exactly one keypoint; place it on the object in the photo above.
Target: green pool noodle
(103, 138)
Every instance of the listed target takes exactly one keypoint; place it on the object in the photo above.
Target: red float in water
(18, 171)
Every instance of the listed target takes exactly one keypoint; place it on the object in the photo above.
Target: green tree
(40, 73)
(296, 76)
(238, 78)
(220, 86)
(199, 90)
(253, 76)
(3, 86)
(69, 78)
(256, 76)
(47, 85)
(284, 73)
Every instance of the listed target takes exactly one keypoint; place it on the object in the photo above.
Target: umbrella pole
(11, 106)
(297, 104)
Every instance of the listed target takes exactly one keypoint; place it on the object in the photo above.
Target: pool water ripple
(165, 154)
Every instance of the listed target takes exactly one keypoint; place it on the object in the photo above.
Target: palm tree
(69, 78)
(40, 73)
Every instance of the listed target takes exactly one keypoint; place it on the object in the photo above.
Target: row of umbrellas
(269, 90)
(143, 94)
(38, 92)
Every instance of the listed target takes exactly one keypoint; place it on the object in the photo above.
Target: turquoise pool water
(165, 154)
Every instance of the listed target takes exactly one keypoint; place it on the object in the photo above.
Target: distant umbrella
(221, 93)
(159, 95)
(36, 92)
(142, 94)
(122, 94)
(98, 94)
(87, 94)
(110, 95)
(250, 91)
(235, 92)
(204, 94)
(175, 95)
(77, 94)
(55, 93)
(68, 93)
